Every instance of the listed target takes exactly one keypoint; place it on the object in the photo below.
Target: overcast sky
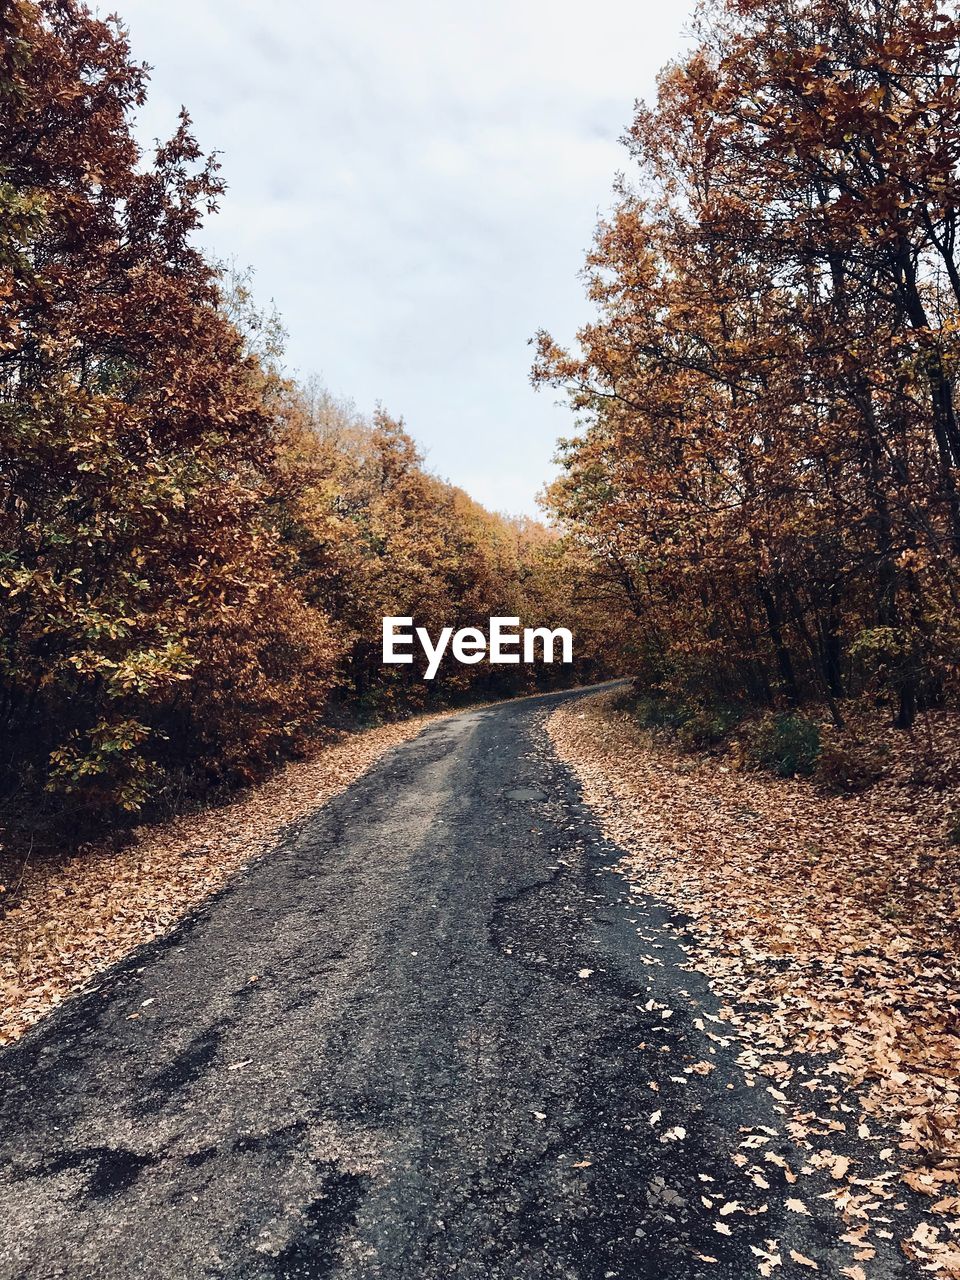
(415, 185)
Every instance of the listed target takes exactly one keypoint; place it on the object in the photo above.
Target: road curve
(425, 1038)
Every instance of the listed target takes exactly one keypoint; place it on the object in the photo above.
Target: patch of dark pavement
(183, 1067)
(312, 1253)
(104, 1170)
(279, 1140)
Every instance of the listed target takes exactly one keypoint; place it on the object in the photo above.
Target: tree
(769, 470)
(138, 437)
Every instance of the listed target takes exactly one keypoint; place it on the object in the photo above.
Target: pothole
(525, 793)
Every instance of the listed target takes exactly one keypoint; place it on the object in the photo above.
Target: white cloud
(416, 186)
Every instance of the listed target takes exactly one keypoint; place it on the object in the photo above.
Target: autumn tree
(769, 474)
(136, 446)
(374, 534)
(195, 554)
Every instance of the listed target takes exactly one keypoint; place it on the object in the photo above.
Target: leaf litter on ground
(828, 926)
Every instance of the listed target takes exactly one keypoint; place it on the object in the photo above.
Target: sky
(415, 186)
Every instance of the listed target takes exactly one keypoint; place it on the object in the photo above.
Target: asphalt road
(425, 1038)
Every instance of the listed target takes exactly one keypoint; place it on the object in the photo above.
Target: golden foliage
(769, 469)
(194, 555)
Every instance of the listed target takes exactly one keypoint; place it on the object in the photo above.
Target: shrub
(786, 744)
(698, 725)
(657, 711)
(708, 726)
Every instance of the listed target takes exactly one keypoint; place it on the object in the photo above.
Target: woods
(195, 553)
(360, 972)
(760, 510)
(768, 467)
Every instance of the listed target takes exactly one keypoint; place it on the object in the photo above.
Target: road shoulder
(838, 1010)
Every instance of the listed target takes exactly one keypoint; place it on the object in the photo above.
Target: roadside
(73, 917)
(828, 927)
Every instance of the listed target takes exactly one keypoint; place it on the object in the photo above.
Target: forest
(758, 513)
(195, 552)
(767, 466)
(628, 981)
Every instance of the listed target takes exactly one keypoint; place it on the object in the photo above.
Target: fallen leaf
(802, 1261)
(840, 1166)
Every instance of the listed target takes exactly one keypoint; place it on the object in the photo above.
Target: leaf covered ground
(828, 925)
(71, 918)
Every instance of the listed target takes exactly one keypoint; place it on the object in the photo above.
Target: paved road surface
(414, 1043)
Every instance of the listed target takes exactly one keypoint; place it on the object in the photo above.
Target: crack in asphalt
(457, 1061)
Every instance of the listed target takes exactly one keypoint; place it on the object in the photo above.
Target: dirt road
(426, 1038)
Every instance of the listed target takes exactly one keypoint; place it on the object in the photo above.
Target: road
(427, 1037)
